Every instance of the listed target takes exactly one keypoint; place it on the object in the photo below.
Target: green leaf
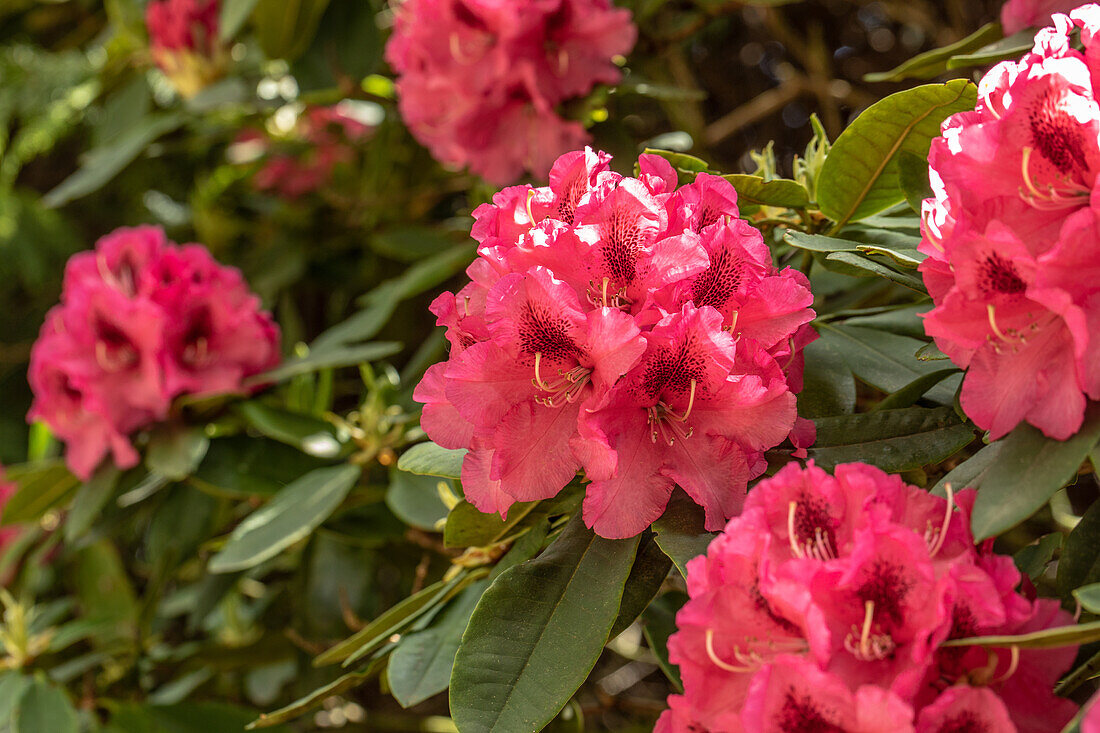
(913, 177)
(42, 486)
(90, 499)
(305, 704)
(648, 573)
(295, 511)
(913, 391)
(44, 707)
(468, 527)
(860, 174)
(420, 666)
(285, 28)
(538, 631)
(1079, 564)
(103, 589)
(1058, 636)
(970, 472)
(233, 15)
(1029, 468)
(884, 360)
(851, 263)
(243, 467)
(330, 358)
(311, 435)
(429, 459)
(893, 440)
(396, 619)
(680, 532)
(175, 451)
(781, 192)
(659, 623)
(1089, 597)
(416, 499)
(1032, 560)
(411, 243)
(12, 686)
(1012, 47)
(931, 64)
(182, 717)
(680, 161)
(346, 47)
(100, 165)
(828, 387)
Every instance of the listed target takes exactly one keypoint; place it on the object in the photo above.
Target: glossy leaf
(1032, 560)
(468, 527)
(931, 64)
(1029, 468)
(429, 459)
(1079, 564)
(893, 440)
(295, 511)
(680, 532)
(779, 192)
(651, 567)
(174, 452)
(336, 356)
(309, 434)
(537, 632)
(1089, 597)
(1058, 636)
(1012, 47)
(43, 707)
(42, 486)
(828, 385)
(90, 499)
(860, 174)
(416, 499)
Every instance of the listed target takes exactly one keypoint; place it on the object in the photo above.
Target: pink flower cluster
(824, 607)
(1013, 267)
(1016, 15)
(142, 320)
(479, 80)
(183, 39)
(326, 136)
(622, 325)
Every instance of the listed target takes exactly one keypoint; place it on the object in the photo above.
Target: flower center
(817, 543)
(756, 653)
(668, 423)
(868, 642)
(605, 296)
(113, 349)
(563, 390)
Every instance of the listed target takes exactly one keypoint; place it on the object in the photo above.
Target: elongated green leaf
(467, 527)
(659, 623)
(102, 164)
(295, 511)
(1012, 47)
(174, 451)
(537, 632)
(850, 263)
(285, 28)
(429, 459)
(819, 242)
(893, 440)
(860, 174)
(233, 15)
(42, 486)
(90, 499)
(416, 500)
(1058, 636)
(1032, 560)
(913, 391)
(315, 698)
(1089, 597)
(12, 686)
(393, 620)
(885, 360)
(931, 64)
(420, 666)
(781, 192)
(648, 573)
(336, 356)
(1029, 468)
(1079, 564)
(243, 467)
(680, 531)
(44, 707)
(311, 435)
(828, 385)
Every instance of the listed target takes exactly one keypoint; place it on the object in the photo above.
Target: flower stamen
(935, 537)
(865, 645)
(747, 661)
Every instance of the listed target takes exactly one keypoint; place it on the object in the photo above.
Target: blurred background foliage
(93, 136)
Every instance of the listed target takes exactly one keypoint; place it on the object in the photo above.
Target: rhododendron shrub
(624, 327)
(479, 81)
(183, 41)
(141, 321)
(1010, 237)
(825, 606)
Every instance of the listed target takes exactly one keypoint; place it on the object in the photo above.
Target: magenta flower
(601, 332)
(141, 321)
(1009, 266)
(479, 81)
(183, 40)
(826, 603)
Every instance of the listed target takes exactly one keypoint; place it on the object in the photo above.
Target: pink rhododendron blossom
(479, 81)
(1016, 15)
(183, 40)
(825, 604)
(322, 139)
(141, 321)
(624, 327)
(1012, 266)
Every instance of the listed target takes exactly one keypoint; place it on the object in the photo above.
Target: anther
(691, 403)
